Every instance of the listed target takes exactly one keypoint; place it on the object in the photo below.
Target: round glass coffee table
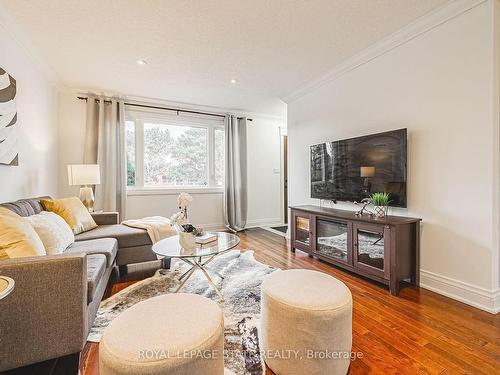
(199, 257)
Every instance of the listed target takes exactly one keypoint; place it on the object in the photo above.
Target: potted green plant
(381, 202)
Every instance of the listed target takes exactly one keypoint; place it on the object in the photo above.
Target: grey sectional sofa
(56, 297)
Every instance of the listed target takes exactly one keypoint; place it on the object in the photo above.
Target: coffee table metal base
(197, 264)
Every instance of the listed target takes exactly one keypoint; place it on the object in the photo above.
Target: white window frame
(139, 117)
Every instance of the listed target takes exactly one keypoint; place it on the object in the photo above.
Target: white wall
(206, 210)
(71, 132)
(263, 158)
(37, 126)
(265, 203)
(440, 86)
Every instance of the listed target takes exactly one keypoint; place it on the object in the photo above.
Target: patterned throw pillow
(54, 232)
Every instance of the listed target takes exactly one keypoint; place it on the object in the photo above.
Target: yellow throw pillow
(17, 237)
(72, 211)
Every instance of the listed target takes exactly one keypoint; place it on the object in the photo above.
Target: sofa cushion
(126, 236)
(25, 207)
(96, 265)
(103, 246)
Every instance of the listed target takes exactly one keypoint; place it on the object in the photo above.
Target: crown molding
(7, 23)
(421, 26)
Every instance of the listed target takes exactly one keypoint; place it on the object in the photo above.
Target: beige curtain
(235, 192)
(105, 145)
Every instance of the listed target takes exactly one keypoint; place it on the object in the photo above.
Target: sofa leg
(122, 270)
(69, 364)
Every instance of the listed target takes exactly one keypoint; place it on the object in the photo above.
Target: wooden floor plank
(418, 332)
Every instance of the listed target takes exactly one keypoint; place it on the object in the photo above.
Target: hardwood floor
(418, 332)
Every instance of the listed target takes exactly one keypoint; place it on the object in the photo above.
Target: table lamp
(85, 175)
(366, 173)
(6, 286)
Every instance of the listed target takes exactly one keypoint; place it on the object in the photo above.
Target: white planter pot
(380, 211)
(187, 241)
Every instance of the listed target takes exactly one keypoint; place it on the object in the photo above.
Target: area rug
(243, 277)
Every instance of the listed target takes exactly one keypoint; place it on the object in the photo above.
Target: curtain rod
(165, 108)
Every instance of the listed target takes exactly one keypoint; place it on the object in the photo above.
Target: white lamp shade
(367, 171)
(84, 174)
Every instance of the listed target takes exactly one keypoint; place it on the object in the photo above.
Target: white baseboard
(250, 224)
(212, 226)
(279, 233)
(270, 222)
(473, 295)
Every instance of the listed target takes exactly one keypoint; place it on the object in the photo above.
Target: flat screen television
(352, 169)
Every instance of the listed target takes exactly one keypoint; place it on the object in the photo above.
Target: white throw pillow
(54, 232)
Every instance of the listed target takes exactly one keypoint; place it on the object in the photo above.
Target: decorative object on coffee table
(8, 120)
(187, 240)
(6, 286)
(184, 200)
(204, 238)
(198, 257)
(179, 220)
(85, 175)
(381, 203)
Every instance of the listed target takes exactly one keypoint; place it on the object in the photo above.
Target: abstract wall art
(8, 120)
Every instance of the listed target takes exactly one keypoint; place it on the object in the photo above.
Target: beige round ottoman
(306, 323)
(181, 334)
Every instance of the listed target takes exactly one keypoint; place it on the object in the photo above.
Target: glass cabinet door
(369, 248)
(303, 230)
(332, 239)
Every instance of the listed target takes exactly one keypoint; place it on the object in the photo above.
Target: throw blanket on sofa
(158, 227)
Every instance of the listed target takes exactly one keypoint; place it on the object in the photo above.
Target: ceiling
(195, 47)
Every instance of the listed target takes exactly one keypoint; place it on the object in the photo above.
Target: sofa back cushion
(54, 232)
(25, 207)
(73, 212)
(17, 237)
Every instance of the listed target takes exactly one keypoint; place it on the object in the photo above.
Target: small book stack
(206, 238)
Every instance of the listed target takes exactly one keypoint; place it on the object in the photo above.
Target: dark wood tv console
(383, 249)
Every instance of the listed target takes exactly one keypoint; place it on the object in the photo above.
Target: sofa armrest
(45, 316)
(106, 218)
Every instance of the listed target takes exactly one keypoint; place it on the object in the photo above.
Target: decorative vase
(187, 240)
(380, 211)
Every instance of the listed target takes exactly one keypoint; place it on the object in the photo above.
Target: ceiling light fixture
(233, 81)
(142, 62)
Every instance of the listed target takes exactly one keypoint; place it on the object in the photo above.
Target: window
(170, 151)
(130, 154)
(219, 156)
